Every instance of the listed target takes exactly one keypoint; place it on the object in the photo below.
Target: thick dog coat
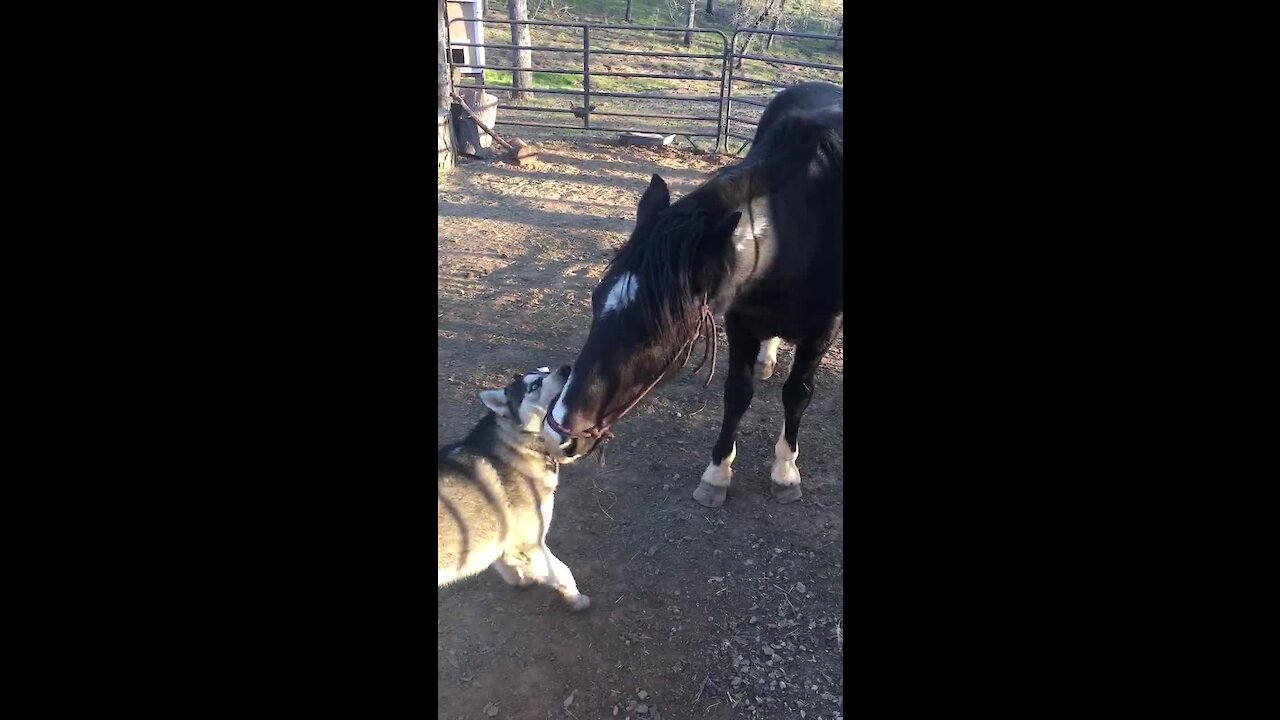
(496, 491)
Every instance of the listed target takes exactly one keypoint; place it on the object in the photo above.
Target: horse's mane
(668, 256)
(664, 259)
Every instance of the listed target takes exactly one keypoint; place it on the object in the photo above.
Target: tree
(693, 12)
(629, 10)
(519, 10)
(839, 34)
(446, 152)
(751, 36)
(711, 7)
(782, 8)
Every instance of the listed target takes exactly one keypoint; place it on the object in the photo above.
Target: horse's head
(646, 313)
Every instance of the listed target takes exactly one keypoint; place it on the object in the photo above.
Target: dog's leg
(512, 573)
(548, 569)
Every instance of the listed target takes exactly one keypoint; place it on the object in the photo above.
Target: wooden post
(690, 15)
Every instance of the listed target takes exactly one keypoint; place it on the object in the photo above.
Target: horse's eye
(535, 385)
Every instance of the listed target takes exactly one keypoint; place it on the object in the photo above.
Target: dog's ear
(495, 400)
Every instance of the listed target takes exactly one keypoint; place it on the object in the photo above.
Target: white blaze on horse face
(721, 475)
(621, 294)
(784, 470)
(559, 411)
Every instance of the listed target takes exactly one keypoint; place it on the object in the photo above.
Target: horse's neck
(753, 251)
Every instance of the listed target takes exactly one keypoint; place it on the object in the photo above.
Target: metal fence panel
(587, 93)
(724, 96)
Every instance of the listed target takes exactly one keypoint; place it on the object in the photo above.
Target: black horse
(779, 274)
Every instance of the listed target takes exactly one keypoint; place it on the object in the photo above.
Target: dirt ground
(734, 612)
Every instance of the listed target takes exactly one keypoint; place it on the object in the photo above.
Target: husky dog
(496, 489)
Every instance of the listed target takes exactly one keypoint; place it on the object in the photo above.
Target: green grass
(630, 85)
(546, 81)
(558, 81)
(561, 81)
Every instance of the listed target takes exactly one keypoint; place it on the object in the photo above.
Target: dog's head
(524, 402)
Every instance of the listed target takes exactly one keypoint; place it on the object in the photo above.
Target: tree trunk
(839, 33)
(751, 36)
(446, 143)
(519, 10)
(628, 10)
(782, 8)
(711, 7)
(443, 91)
(693, 12)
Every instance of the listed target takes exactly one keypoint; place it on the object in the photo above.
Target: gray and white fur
(496, 492)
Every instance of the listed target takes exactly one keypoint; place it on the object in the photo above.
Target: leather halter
(603, 430)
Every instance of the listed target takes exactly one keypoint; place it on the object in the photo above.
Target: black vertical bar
(728, 105)
(720, 108)
(586, 77)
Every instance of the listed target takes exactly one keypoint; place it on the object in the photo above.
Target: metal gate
(720, 77)
(756, 105)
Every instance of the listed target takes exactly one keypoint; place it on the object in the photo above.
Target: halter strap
(706, 329)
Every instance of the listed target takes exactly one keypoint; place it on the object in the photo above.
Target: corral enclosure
(733, 612)
(704, 91)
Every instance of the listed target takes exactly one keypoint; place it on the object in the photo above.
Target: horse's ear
(655, 199)
(725, 227)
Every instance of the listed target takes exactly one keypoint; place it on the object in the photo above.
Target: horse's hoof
(785, 493)
(580, 603)
(709, 495)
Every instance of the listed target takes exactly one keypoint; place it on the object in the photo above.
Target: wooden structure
(471, 32)
(446, 143)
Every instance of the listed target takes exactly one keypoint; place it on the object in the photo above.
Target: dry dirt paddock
(734, 612)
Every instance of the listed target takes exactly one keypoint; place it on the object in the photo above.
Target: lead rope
(706, 329)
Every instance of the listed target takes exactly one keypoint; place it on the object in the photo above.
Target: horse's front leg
(796, 393)
(738, 391)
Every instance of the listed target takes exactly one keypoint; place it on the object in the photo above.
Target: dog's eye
(535, 386)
